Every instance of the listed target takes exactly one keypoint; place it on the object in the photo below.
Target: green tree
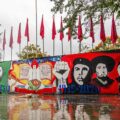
(87, 9)
(31, 51)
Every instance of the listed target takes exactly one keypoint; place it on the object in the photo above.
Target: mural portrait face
(102, 66)
(1, 72)
(80, 73)
(101, 70)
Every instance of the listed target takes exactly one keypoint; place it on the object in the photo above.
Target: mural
(61, 71)
(4, 68)
(102, 67)
(85, 73)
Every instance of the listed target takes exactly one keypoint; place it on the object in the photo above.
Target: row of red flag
(79, 31)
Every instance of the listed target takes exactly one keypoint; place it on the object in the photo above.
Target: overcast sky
(12, 12)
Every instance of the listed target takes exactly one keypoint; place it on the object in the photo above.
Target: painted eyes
(83, 69)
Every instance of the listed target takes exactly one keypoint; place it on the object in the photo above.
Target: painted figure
(102, 65)
(45, 72)
(81, 78)
(34, 82)
(81, 73)
(61, 71)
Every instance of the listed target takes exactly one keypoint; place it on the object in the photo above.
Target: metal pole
(11, 54)
(36, 19)
(79, 46)
(62, 47)
(36, 24)
(53, 47)
(70, 46)
(3, 55)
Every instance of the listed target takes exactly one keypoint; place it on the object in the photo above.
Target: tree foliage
(31, 51)
(107, 45)
(87, 9)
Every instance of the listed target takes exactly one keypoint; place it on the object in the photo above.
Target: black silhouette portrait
(102, 65)
(81, 78)
(81, 72)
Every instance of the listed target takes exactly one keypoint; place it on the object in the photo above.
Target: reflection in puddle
(68, 107)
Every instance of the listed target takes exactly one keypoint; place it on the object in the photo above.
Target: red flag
(102, 30)
(53, 29)
(27, 30)
(4, 40)
(113, 31)
(61, 30)
(19, 34)
(42, 28)
(91, 30)
(80, 37)
(69, 34)
(11, 38)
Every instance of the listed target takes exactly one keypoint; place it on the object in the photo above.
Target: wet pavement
(59, 107)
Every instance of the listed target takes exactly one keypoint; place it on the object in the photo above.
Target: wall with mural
(85, 73)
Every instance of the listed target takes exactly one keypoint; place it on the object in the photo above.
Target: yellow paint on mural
(46, 82)
(15, 73)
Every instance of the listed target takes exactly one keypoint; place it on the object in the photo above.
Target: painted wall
(87, 73)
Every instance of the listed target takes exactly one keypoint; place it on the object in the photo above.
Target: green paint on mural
(4, 68)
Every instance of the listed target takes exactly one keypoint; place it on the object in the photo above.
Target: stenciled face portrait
(80, 73)
(101, 70)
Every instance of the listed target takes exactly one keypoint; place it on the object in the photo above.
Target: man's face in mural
(45, 71)
(80, 73)
(101, 70)
(1, 72)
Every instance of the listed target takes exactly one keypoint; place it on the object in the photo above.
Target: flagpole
(19, 37)
(43, 46)
(4, 42)
(92, 46)
(70, 46)
(36, 22)
(19, 49)
(62, 46)
(53, 35)
(11, 53)
(79, 46)
(27, 35)
(11, 41)
(27, 49)
(53, 47)
(3, 55)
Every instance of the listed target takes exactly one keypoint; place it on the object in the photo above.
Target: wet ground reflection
(53, 107)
